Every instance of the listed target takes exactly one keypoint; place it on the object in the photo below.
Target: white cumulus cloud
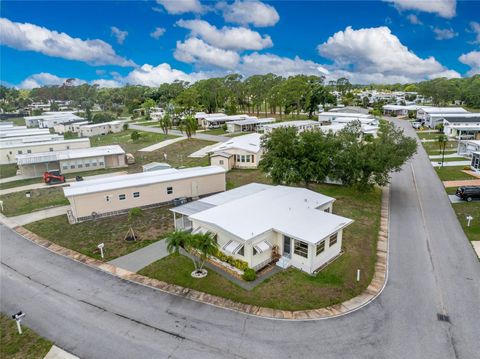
(265, 63)
(107, 83)
(30, 37)
(246, 12)
(45, 79)
(471, 59)
(196, 51)
(235, 38)
(157, 33)
(475, 28)
(379, 56)
(119, 35)
(414, 19)
(444, 34)
(176, 7)
(149, 75)
(443, 8)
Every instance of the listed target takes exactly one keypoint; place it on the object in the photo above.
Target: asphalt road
(433, 269)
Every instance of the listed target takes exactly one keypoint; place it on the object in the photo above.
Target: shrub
(249, 275)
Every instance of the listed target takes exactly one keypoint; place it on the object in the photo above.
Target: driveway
(141, 258)
(433, 270)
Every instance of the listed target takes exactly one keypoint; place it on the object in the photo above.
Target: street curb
(373, 290)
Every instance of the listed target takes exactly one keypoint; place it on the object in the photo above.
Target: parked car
(417, 125)
(468, 193)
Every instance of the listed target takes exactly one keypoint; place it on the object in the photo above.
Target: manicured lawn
(293, 289)
(433, 148)
(452, 173)
(428, 135)
(465, 209)
(84, 237)
(29, 345)
(123, 139)
(9, 170)
(216, 131)
(177, 155)
(19, 183)
(18, 203)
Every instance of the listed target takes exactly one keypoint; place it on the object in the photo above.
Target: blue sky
(150, 42)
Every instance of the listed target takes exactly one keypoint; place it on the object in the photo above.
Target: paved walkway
(162, 144)
(476, 246)
(452, 164)
(58, 353)
(202, 152)
(38, 215)
(450, 155)
(13, 178)
(141, 258)
(43, 185)
(475, 182)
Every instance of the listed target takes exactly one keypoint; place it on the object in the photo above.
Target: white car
(416, 125)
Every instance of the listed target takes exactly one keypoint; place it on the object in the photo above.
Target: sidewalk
(57, 353)
(473, 182)
(162, 144)
(37, 215)
(141, 258)
(451, 164)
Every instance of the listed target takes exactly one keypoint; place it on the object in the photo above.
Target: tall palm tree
(175, 240)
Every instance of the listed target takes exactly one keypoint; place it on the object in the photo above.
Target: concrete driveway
(433, 271)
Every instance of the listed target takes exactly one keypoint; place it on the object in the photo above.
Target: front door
(286, 246)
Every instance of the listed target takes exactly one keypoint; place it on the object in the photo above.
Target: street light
(18, 318)
(100, 246)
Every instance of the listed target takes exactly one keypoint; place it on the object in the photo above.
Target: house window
(121, 197)
(253, 158)
(243, 158)
(51, 149)
(333, 239)
(65, 167)
(100, 163)
(255, 252)
(94, 164)
(221, 162)
(237, 158)
(10, 152)
(241, 251)
(72, 167)
(20, 152)
(136, 194)
(169, 190)
(87, 164)
(301, 248)
(327, 210)
(68, 147)
(320, 247)
(79, 165)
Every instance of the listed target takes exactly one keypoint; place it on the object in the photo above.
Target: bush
(125, 126)
(249, 275)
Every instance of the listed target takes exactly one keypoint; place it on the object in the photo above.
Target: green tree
(189, 125)
(165, 122)
(135, 136)
(175, 240)
(203, 243)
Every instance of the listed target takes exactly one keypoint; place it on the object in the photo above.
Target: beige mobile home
(260, 224)
(74, 160)
(8, 153)
(239, 152)
(98, 129)
(300, 126)
(111, 196)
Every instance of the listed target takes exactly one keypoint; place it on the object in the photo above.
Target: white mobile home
(73, 160)
(433, 116)
(468, 147)
(98, 129)
(331, 116)
(301, 126)
(399, 110)
(256, 222)
(111, 196)
(251, 124)
(239, 152)
(50, 119)
(8, 153)
(462, 127)
(30, 139)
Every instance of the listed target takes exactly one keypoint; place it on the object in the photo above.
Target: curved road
(433, 269)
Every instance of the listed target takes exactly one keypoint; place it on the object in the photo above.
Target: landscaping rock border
(376, 286)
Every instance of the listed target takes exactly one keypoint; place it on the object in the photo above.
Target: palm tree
(175, 240)
(206, 244)
(188, 125)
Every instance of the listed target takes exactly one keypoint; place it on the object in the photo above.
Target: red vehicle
(53, 177)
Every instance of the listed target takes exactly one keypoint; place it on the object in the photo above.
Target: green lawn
(84, 237)
(124, 140)
(463, 210)
(29, 345)
(23, 182)
(453, 173)
(433, 148)
(293, 289)
(9, 170)
(428, 135)
(18, 203)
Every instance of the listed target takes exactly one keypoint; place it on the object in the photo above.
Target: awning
(232, 247)
(262, 246)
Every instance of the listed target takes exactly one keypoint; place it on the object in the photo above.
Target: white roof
(463, 114)
(401, 107)
(46, 143)
(30, 139)
(250, 143)
(288, 210)
(152, 165)
(253, 120)
(75, 153)
(362, 120)
(138, 179)
(116, 122)
(471, 142)
(25, 132)
(442, 110)
(344, 114)
(12, 128)
(199, 115)
(226, 118)
(291, 124)
(50, 115)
